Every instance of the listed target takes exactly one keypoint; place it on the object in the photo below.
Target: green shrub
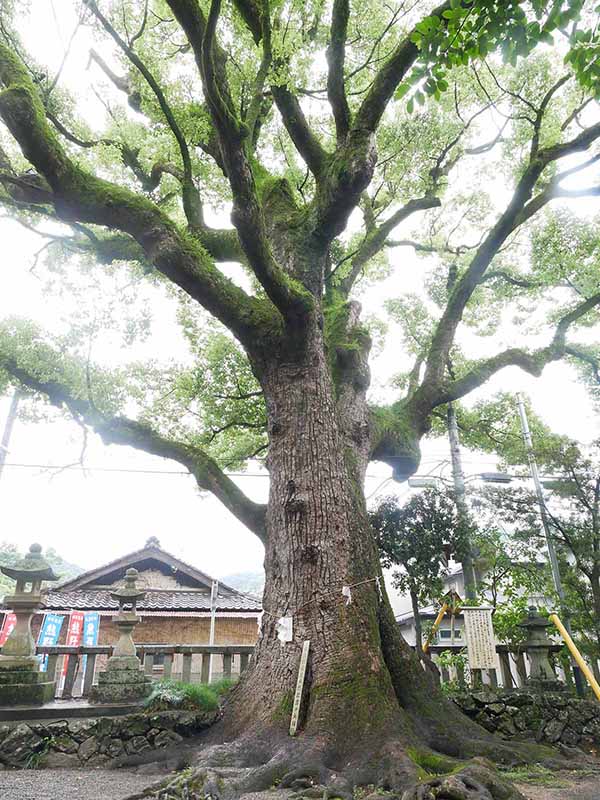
(168, 695)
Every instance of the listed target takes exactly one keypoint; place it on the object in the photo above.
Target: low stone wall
(94, 742)
(551, 718)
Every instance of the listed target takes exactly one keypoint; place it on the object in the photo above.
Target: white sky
(93, 517)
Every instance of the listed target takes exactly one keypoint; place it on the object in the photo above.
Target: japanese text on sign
(479, 632)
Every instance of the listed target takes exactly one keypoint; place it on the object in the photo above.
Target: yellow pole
(576, 655)
(436, 625)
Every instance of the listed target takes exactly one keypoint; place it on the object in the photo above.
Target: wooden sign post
(299, 687)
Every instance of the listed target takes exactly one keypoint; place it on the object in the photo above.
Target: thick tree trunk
(319, 541)
(364, 687)
(371, 712)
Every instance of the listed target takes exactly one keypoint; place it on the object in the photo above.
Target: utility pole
(8, 426)
(458, 477)
(214, 594)
(556, 578)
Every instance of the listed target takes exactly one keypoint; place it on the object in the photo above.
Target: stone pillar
(537, 646)
(21, 682)
(124, 680)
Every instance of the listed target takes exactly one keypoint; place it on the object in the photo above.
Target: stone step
(20, 676)
(63, 709)
(34, 694)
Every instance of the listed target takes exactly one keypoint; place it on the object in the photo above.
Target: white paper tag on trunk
(285, 629)
(347, 593)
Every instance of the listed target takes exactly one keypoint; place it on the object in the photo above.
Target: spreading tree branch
(258, 105)
(191, 199)
(78, 196)
(539, 117)
(350, 170)
(121, 430)
(388, 78)
(336, 55)
(377, 237)
(247, 215)
(520, 208)
(305, 141)
(122, 83)
(531, 362)
(223, 244)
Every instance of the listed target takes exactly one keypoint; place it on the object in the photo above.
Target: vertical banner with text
(48, 636)
(74, 634)
(91, 628)
(8, 625)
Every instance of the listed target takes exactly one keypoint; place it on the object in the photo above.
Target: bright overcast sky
(126, 496)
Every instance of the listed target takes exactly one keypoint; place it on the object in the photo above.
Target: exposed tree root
(476, 781)
(308, 768)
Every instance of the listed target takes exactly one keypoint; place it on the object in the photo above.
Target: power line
(79, 468)
(124, 469)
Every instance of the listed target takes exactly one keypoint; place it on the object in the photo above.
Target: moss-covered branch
(124, 431)
(306, 142)
(221, 243)
(247, 214)
(79, 196)
(191, 198)
(336, 56)
(397, 429)
(396, 432)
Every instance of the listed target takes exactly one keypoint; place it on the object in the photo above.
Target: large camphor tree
(336, 132)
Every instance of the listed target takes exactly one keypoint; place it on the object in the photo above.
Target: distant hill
(252, 583)
(10, 554)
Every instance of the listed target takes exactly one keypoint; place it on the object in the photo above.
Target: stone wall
(549, 718)
(95, 742)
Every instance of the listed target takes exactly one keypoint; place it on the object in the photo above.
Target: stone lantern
(124, 679)
(538, 646)
(21, 682)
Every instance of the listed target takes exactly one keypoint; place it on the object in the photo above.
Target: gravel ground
(116, 784)
(59, 784)
(579, 789)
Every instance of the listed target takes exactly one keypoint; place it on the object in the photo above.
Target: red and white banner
(74, 634)
(10, 620)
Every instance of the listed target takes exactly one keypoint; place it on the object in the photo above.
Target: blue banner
(91, 628)
(49, 633)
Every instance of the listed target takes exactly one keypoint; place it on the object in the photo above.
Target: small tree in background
(573, 505)
(10, 554)
(510, 570)
(417, 537)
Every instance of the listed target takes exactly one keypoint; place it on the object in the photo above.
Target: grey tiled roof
(100, 599)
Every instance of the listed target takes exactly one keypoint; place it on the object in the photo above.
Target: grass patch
(535, 774)
(432, 763)
(169, 695)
